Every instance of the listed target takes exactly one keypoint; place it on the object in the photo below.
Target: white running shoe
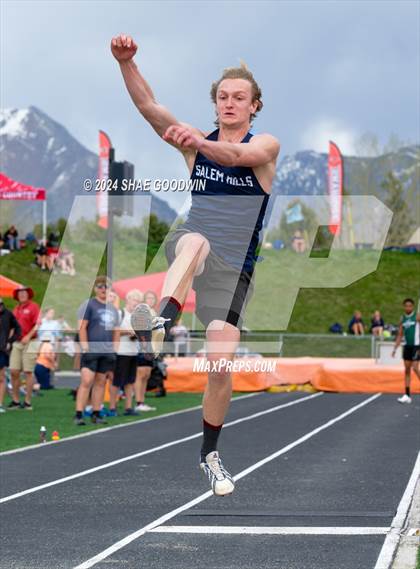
(404, 399)
(150, 330)
(143, 407)
(141, 322)
(221, 481)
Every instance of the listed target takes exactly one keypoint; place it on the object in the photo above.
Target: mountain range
(37, 150)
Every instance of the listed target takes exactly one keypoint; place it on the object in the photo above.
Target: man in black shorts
(99, 337)
(215, 250)
(9, 332)
(409, 329)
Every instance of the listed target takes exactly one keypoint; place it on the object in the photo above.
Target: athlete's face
(234, 102)
(408, 307)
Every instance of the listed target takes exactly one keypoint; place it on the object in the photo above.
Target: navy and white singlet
(229, 212)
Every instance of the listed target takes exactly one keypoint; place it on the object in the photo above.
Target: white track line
(158, 522)
(121, 426)
(270, 530)
(387, 553)
(151, 450)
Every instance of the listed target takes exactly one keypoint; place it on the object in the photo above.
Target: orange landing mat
(350, 375)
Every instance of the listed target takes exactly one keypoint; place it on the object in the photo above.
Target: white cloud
(319, 133)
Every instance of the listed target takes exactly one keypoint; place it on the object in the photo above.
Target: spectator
(65, 262)
(98, 339)
(356, 325)
(46, 361)
(377, 324)
(126, 365)
(11, 238)
(151, 299)
(63, 340)
(144, 365)
(298, 242)
(53, 240)
(49, 325)
(114, 299)
(9, 331)
(144, 371)
(42, 259)
(24, 351)
(179, 334)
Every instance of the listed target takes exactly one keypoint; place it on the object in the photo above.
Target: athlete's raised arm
(262, 148)
(124, 48)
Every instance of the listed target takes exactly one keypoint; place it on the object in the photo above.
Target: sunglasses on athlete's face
(102, 286)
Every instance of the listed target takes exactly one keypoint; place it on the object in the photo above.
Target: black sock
(79, 414)
(210, 436)
(170, 308)
(407, 391)
(95, 413)
(139, 402)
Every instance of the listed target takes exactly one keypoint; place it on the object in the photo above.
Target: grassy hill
(314, 311)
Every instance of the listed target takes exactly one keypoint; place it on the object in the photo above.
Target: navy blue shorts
(4, 360)
(43, 376)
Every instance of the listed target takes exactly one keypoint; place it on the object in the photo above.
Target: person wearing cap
(9, 331)
(24, 351)
(99, 339)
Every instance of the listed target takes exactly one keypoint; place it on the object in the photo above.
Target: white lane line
(270, 530)
(160, 521)
(121, 426)
(387, 553)
(151, 450)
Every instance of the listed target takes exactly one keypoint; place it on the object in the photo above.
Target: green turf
(418, 559)
(315, 308)
(55, 410)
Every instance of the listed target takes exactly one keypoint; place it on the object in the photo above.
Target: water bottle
(43, 435)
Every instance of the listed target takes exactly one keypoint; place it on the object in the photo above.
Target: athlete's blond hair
(241, 72)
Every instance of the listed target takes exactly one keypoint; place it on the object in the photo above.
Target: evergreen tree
(402, 221)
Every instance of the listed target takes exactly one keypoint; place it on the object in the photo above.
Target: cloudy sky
(328, 69)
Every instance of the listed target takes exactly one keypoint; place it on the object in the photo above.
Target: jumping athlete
(410, 329)
(215, 250)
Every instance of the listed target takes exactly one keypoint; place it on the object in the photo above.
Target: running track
(324, 482)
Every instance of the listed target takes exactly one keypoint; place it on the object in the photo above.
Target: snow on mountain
(305, 173)
(39, 151)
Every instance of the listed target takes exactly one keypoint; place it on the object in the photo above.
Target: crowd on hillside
(48, 256)
(358, 327)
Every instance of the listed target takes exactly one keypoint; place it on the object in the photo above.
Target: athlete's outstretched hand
(182, 136)
(123, 47)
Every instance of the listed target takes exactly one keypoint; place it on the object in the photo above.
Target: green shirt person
(409, 329)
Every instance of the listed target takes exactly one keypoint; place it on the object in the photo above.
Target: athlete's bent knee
(194, 243)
